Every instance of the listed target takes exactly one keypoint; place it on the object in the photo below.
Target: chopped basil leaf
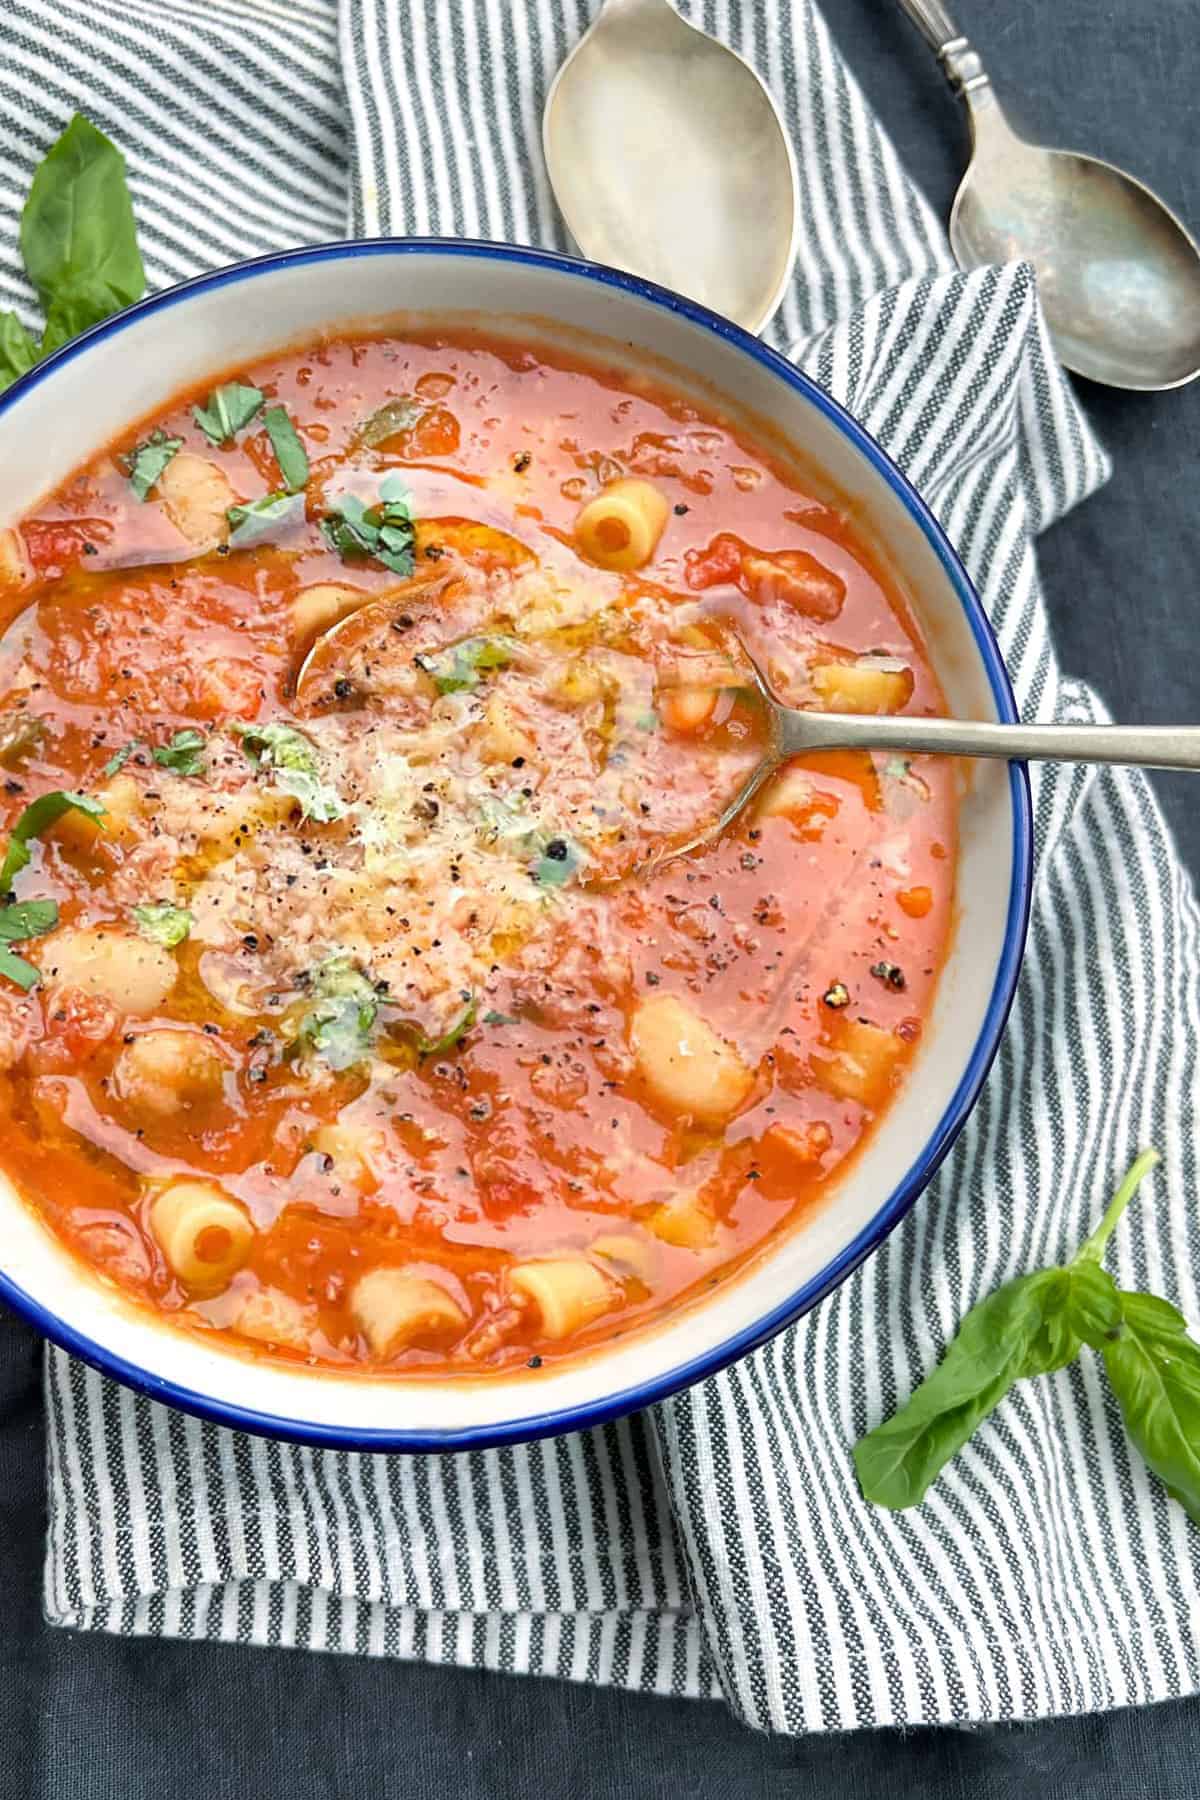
(339, 1023)
(258, 520)
(292, 760)
(454, 1035)
(182, 755)
(383, 532)
(560, 860)
(120, 757)
(290, 453)
(392, 420)
(147, 460)
(163, 923)
(498, 1018)
(36, 818)
(26, 919)
(230, 409)
(17, 969)
(457, 669)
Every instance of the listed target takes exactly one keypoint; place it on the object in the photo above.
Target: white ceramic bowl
(77, 400)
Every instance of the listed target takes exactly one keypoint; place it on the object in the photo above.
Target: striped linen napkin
(716, 1545)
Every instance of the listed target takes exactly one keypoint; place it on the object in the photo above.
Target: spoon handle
(1146, 746)
(960, 63)
(933, 22)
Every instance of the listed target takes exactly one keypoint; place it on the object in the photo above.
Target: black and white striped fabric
(718, 1545)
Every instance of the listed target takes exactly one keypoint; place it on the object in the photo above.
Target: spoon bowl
(669, 159)
(1118, 274)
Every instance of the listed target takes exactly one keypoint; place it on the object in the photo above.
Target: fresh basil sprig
(1032, 1326)
(229, 410)
(37, 817)
(78, 243)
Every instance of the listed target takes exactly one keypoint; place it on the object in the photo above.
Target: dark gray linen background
(84, 1717)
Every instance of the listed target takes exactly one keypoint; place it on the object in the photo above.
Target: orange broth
(478, 922)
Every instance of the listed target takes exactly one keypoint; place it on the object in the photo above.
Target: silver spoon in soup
(863, 690)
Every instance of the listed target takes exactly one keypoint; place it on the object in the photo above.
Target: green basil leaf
(290, 453)
(27, 919)
(36, 818)
(383, 532)
(1055, 1345)
(162, 922)
(182, 755)
(454, 1035)
(147, 460)
(339, 1022)
(260, 521)
(18, 351)
(120, 757)
(16, 969)
(1093, 1304)
(229, 410)
(19, 922)
(457, 669)
(68, 316)
(1089, 1308)
(498, 1018)
(78, 236)
(897, 1461)
(1154, 1368)
(292, 761)
(392, 420)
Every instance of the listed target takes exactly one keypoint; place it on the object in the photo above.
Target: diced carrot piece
(915, 901)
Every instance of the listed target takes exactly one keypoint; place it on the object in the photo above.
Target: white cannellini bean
(687, 1066)
(111, 964)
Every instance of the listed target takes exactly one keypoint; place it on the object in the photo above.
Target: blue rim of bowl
(921, 1172)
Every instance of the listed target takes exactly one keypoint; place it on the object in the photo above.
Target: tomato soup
(369, 991)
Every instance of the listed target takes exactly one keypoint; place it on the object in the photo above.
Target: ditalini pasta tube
(204, 1235)
(621, 527)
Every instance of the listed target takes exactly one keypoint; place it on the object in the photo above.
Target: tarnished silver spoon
(794, 732)
(1119, 276)
(668, 158)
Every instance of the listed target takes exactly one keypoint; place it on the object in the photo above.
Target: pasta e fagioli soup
(351, 1006)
